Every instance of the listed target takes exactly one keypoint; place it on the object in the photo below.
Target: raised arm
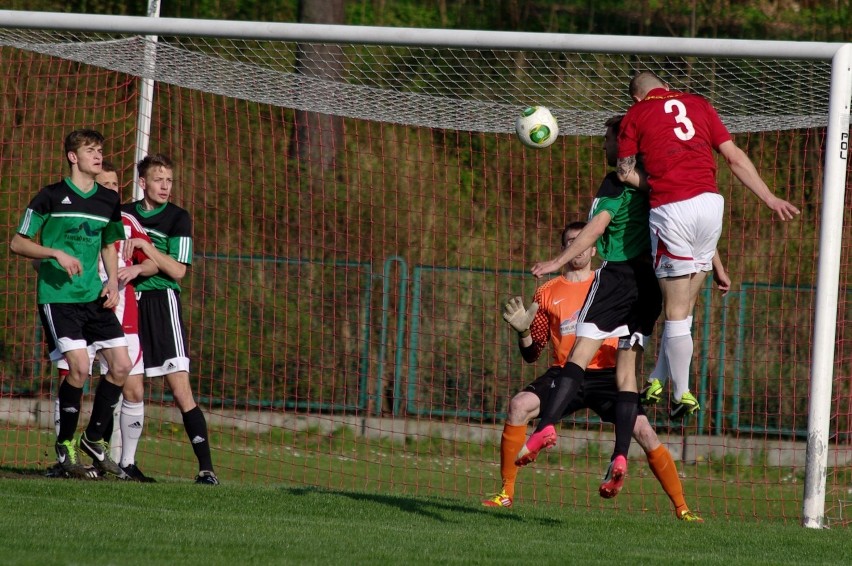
(629, 172)
(744, 170)
(584, 240)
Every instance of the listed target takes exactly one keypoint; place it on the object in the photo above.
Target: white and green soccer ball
(536, 127)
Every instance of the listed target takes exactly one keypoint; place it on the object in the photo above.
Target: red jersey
(674, 134)
(127, 309)
(559, 303)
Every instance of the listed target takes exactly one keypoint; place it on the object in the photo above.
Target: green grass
(722, 490)
(71, 522)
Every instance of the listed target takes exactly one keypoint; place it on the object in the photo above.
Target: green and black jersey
(79, 224)
(170, 229)
(627, 236)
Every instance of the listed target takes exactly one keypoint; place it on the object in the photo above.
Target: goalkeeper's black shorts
(598, 392)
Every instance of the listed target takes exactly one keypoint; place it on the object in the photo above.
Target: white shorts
(684, 235)
(134, 350)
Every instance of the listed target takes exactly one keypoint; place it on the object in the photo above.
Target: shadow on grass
(12, 472)
(426, 506)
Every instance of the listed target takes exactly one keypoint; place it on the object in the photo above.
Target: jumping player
(675, 133)
(624, 302)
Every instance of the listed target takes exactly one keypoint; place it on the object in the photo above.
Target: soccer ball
(536, 127)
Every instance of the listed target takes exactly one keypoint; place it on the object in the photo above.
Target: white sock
(678, 350)
(115, 433)
(132, 420)
(661, 370)
(56, 415)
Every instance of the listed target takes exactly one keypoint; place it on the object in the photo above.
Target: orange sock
(511, 443)
(663, 466)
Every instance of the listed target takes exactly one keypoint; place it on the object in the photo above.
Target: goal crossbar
(494, 112)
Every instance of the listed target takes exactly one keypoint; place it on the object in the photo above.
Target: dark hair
(108, 167)
(155, 160)
(614, 123)
(78, 138)
(571, 227)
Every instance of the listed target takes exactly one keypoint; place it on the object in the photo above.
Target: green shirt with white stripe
(170, 229)
(78, 223)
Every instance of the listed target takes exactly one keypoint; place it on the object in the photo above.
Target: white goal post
(487, 111)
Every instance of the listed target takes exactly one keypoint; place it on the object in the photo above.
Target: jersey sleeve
(35, 215)
(180, 242)
(539, 331)
(114, 230)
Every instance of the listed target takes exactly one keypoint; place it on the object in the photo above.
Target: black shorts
(75, 326)
(598, 392)
(625, 299)
(162, 333)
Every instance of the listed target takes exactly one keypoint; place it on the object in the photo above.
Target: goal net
(362, 210)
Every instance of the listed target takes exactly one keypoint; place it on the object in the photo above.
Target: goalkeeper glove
(518, 317)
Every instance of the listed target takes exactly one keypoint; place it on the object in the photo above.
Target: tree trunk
(318, 137)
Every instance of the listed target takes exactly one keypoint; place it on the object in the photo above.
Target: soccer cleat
(131, 472)
(55, 471)
(99, 452)
(498, 500)
(206, 477)
(689, 516)
(68, 461)
(651, 393)
(538, 441)
(687, 405)
(614, 479)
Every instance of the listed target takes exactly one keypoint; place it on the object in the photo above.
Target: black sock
(106, 398)
(196, 429)
(626, 409)
(565, 388)
(70, 400)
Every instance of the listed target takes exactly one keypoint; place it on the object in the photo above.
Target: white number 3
(686, 130)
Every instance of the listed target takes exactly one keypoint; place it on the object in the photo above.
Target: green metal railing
(391, 356)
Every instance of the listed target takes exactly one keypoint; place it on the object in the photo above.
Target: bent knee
(523, 407)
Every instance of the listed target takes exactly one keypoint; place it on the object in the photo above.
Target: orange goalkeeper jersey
(559, 303)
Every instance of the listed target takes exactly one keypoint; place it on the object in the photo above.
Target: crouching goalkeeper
(552, 318)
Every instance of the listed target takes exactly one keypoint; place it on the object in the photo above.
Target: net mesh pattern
(454, 89)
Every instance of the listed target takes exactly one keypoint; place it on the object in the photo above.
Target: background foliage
(805, 20)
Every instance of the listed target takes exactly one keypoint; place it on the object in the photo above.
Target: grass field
(48, 521)
(723, 491)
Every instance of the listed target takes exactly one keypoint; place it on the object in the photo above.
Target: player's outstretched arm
(26, 247)
(584, 240)
(744, 170)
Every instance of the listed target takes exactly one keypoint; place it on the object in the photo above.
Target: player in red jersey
(676, 133)
(554, 322)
